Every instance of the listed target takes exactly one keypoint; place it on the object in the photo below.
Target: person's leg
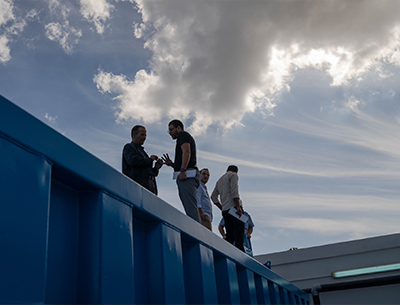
(188, 194)
(228, 226)
(238, 233)
(152, 185)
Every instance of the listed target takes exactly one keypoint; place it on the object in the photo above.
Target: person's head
(174, 128)
(138, 134)
(204, 175)
(232, 168)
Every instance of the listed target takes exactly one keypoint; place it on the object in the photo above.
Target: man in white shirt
(203, 200)
(227, 188)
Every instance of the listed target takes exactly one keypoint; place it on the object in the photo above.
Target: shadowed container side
(74, 230)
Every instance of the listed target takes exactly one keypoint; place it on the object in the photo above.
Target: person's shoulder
(127, 145)
(130, 146)
(232, 174)
(184, 133)
(221, 178)
(250, 221)
(184, 136)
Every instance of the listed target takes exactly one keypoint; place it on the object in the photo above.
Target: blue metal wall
(74, 230)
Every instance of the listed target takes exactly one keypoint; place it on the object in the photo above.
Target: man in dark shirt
(137, 164)
(188, 176)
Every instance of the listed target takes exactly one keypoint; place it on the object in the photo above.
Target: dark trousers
(152, 185)
(234, 230)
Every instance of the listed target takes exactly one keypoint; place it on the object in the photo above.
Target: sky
(301, 95)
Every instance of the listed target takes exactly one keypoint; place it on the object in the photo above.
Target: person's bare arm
(222, 231)
(219, 205)
(214, 197)
(185, 160)
(249, 232)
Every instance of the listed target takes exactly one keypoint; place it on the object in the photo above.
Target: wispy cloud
(321, 215)
(66, 35)
(354, 228)
(254, 164)
(98, 12)
(323, 203)
(61, 31)
(374, 132)
(51, 119)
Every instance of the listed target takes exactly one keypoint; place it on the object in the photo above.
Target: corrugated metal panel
(74, 230)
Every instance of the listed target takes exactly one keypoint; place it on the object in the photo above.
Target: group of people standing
(191, 182)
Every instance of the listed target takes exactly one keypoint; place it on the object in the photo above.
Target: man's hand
(166, 160)
(202, 215)
(181, 176)
(158, 164)
(154, 157)
(238, 207)
(219, 205)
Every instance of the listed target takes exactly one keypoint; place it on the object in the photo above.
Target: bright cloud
(97, 12)
(10, 26)
(214, 61)
(129, 93)
(301, 95)
(4, 49)
(6, 11)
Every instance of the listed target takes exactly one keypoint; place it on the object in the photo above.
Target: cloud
(354, 126)
(52, 122)
(353, 216)
(255, 164)
(58, 10)
(11, 26)
(6, 11)
(4, 49)
(61, 31)
(214, 61)
(356, 228)
(66, 35)
(51, 119)
(97, 12)
(130, 92)
(303, 203)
